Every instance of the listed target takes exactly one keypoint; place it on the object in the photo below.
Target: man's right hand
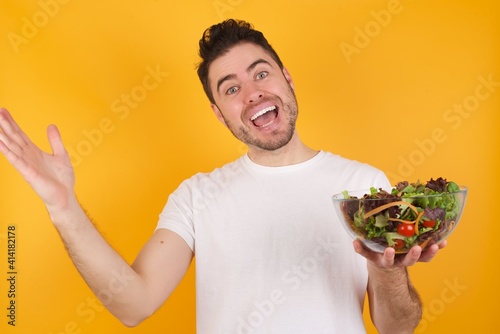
(50, 175)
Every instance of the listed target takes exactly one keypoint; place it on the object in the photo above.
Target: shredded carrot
(391, 204)
(424, 244)
(388, 205)
(417, 220)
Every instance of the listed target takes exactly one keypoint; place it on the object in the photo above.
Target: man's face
(253, 97)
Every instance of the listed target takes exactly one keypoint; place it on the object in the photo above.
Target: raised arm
(131, 293)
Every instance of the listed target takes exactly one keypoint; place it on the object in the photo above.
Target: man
(271, 256)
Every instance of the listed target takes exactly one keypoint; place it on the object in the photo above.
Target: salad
(409, 214)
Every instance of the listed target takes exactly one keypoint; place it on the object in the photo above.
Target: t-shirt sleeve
(177, 215)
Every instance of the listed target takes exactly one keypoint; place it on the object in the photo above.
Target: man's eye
(262, 75)
(232, 90)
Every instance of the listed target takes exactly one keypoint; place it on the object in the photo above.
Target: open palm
(50, 175)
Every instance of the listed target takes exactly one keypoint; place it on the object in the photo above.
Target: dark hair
(220, 38)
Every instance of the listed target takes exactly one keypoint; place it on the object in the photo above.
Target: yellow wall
(397, 84)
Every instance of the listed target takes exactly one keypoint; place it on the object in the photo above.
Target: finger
(3, 144)
(360, 249)
(412, 256)
(388, 257)
(11, 130)
(6, 121)
(429, 253)
(13, 157)
(4, 113)
(9, 146)
(55, 140)
(369, 255)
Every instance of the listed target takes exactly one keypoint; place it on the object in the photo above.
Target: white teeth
(262, 112)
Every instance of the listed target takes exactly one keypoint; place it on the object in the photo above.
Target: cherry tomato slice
(429, 223)
(400, 244)
(408, 230)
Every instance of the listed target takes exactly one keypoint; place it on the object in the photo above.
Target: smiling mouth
(265, 117)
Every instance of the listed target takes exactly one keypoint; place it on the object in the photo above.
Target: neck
(292, 153)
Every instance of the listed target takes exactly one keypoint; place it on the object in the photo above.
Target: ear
(288, 77)
(218, 114)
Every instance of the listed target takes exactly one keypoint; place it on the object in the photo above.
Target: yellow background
(371, 87)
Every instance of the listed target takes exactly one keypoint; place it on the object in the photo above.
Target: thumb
(55, 140)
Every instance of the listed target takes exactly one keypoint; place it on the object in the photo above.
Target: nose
(254, 93)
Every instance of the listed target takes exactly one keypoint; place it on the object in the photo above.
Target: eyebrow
(250, 68)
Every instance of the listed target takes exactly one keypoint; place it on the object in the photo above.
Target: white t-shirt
(271, 255)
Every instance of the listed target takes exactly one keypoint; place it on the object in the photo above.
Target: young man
(271, 256)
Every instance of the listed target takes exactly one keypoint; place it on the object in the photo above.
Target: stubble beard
(278, 138)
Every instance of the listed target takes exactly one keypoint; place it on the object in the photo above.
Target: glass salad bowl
(401, 217)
